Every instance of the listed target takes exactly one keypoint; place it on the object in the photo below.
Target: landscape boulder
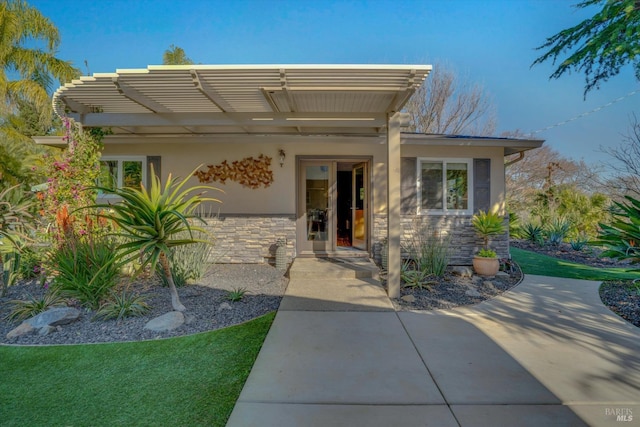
(462, 271)
(54, 317)
(167, 322)
(23, 329)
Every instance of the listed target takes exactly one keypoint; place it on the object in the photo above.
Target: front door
(316, 230)
(359, 197)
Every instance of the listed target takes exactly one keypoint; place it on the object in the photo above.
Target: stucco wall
(250, 220)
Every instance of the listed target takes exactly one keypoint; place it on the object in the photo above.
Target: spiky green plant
(153, 221)
(622, 237)
(487, 224)
(24, 309)
(15, 223)
(123, 304)
(236, 294)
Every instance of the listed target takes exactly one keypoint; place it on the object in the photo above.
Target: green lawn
(187, 381)
(534, 263)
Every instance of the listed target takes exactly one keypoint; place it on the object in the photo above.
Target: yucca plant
(155, 220)
(622, 237)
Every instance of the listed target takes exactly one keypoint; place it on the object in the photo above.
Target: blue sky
(491, 42)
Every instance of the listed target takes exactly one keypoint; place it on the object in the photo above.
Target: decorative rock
(188, 318)
(473, 293)
(23, 329)
(54, 317)
(408, 298)
(225, 306)
(462, 271)
(487, 284)
(46, 330)
(502, 274)
(167, 322)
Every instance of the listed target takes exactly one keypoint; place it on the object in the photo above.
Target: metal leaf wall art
(249, 172)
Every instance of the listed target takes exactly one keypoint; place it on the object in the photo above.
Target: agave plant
(155, 220)
(622, 237)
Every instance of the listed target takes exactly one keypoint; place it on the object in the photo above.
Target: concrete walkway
(547, 353)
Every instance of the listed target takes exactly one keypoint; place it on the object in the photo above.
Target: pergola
(246, 100)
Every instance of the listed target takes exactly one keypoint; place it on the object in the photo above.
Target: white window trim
(444, 210)
(120, 160)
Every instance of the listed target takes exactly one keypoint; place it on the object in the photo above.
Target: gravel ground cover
(207, 307)
(454, 290)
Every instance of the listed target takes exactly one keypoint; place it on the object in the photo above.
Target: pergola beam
(302, 120)
(139, 98)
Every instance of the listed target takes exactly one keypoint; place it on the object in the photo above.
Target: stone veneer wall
(464, 240)
(251, 238)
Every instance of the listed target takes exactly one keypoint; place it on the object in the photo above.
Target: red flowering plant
(71, 178)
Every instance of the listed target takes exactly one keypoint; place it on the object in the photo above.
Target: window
(445, 185)
(120, 172)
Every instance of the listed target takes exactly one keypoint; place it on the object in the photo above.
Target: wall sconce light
(282, 156)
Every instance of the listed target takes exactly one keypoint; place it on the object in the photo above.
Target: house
(313, 154)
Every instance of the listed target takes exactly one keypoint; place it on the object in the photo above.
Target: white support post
(394, 226)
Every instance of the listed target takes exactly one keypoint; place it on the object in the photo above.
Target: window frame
(121, 160)
(444, 161)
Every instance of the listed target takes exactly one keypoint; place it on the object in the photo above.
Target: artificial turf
(188, 381)
(534, 263)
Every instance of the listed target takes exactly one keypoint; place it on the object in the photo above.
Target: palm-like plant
(154, 221)
(487, 224)
(20, 25)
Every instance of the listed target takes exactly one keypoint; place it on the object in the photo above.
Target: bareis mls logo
(621, 414)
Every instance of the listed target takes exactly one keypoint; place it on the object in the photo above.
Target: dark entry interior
(343, 208)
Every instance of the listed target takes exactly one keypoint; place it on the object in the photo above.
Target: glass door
(359, 204)
(315, 219)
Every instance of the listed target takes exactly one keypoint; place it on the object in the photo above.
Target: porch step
(333, 268)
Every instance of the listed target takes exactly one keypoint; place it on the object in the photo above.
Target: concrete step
(333, 268)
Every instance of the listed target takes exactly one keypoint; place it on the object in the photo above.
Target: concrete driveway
(547, 353)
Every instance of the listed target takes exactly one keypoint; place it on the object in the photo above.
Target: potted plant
(487, 224)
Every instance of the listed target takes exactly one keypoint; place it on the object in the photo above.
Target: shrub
(121, 305)
(487, 253)
(188, 263)
(10, 267)
(429, 250)
(25, 309)
(557, 230)
(236, 294)
(533, 233)
(85, 269)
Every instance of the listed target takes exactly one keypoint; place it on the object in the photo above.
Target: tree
(154, 221)
(175, 55)
(599, 46)
(626, 164)
(541, 169)
(23, 27)
(446, 104)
